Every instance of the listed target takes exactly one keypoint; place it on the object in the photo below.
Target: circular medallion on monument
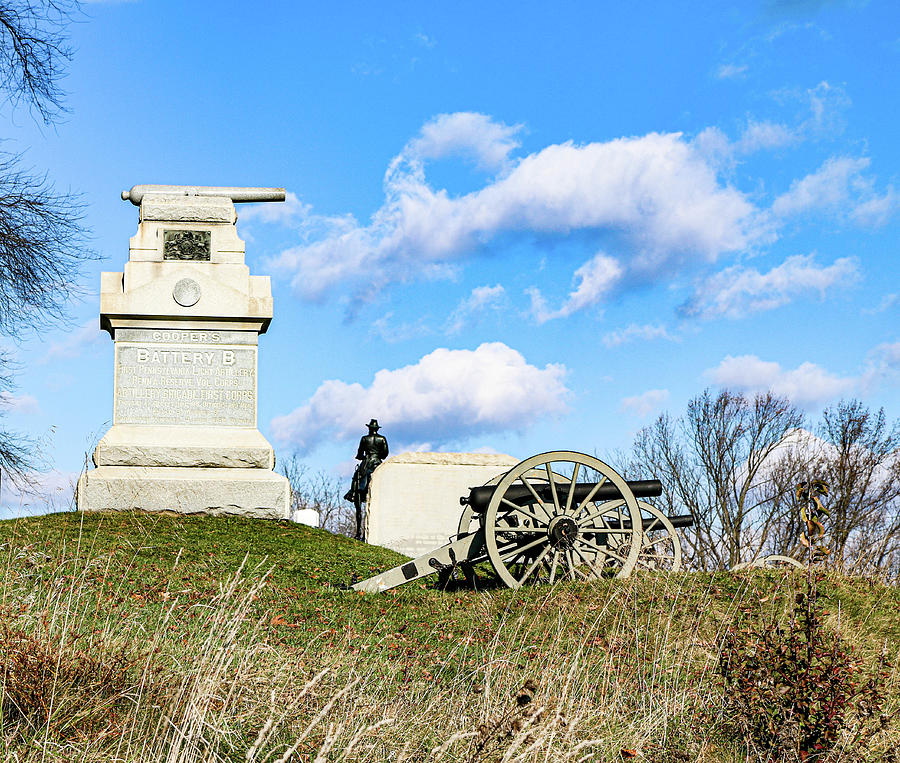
(186, 292)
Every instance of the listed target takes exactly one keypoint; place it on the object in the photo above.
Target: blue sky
(509, 227)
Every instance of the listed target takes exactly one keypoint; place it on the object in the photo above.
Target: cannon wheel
(660, 544)
(773, 560)
(558, 538)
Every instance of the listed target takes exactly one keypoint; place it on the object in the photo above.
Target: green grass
(219, 624)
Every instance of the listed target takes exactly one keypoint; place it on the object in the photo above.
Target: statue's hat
(373, 424)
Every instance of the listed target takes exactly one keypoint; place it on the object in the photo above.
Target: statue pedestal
(414, 497)
(185, 316)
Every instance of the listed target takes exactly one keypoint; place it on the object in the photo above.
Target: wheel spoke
(534, 564)
(520, 549)
(522, 511)
(587, 561)
(517, 538)
(524, 530)
(552, 488)
(572, 484)
(653, 524)
(571, 564)
(582, 573)
(667, 536)
(526, 483)
(600, 511)
(605, 551)
(590, 497)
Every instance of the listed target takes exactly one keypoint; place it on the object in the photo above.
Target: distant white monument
(413, 502)
(186, 316)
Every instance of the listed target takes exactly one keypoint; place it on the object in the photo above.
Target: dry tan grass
(634, 672)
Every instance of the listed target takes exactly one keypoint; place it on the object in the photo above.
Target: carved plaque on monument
(185, 316)
(186, 245)
(208, 383)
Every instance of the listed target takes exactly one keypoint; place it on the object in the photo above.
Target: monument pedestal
(185, 316)
(413, 502)
(256, 493)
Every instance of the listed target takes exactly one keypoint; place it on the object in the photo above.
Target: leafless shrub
(320, 491)
(716, 463)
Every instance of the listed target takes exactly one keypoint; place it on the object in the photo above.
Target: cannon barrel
(480, 497)
(236, 193)
(681, 520)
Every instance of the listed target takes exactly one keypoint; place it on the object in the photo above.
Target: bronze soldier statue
(373, 449)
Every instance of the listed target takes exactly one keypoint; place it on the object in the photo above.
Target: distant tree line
(735, 463)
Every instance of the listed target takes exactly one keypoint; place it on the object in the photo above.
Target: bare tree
(42, 240)
(717, 462)
(860, 462)
(320, 491)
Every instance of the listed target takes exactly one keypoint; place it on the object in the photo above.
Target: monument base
(256, 493)
(194, 446)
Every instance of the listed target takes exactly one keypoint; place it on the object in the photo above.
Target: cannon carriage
(556, 516)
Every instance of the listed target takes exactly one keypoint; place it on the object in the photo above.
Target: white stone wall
(413, 504)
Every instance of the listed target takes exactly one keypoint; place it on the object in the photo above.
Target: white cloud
(657, 192)
(736, 291)
(841, 187)
(283, 213)
(634, 332)
(593, 281)
(481, 300)
(392, 332)
(731, 71)
(19, 403)
(827, 187)
(806, 385)
(883, 362)
(39, 493)
(827, 104)
(713, 144)
(887, 302)
(759, 136)
(87, 335)
(446, 396)
(643, 405)
(877, 210)
(463, 133)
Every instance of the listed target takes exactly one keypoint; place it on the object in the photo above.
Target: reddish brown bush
(57, 686)
(796, 689)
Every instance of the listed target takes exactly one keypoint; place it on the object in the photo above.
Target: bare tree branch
(42, 249)
(34, 51)
(42, 240)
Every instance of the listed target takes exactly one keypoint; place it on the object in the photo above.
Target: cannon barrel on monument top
(236, 193)
(539, 523)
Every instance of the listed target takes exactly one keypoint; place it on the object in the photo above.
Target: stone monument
(413, 503)
(185, 316)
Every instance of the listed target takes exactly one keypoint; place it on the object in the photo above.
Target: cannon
(555, 516)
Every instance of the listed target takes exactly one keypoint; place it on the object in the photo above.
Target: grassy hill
(156, 638)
